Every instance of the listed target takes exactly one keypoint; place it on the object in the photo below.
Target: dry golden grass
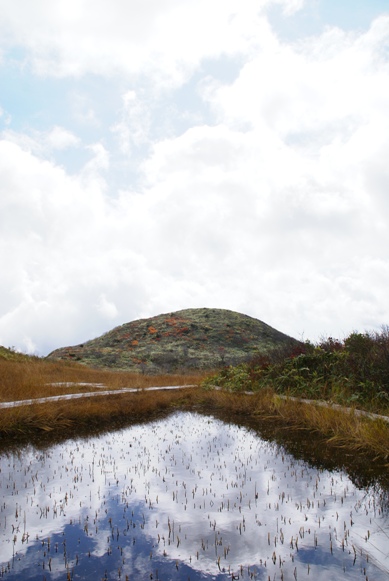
(91, 413)
(116, 410)
(339, 427)
(30, 379)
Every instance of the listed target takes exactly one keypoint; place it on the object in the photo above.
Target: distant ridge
(187, 340)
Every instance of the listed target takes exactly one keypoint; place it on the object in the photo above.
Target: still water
(187, 497)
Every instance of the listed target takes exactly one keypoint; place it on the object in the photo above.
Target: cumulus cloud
(160, 39)
(274, 203)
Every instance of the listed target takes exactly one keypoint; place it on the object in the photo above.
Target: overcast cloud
(171, 154)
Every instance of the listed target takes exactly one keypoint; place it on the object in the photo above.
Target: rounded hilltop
(187, 340)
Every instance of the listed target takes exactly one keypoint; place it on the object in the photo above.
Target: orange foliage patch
(152, 330)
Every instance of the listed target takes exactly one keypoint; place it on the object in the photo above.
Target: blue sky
(180, 154)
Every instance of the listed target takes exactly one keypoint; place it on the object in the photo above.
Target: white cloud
(43, 143)
(158, 39)
(61, 138)
(107, 308)
(98, 163)
(134, 126)
(332, 82)
(276, 206)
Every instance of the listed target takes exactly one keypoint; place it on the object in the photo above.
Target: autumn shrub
(352, 371)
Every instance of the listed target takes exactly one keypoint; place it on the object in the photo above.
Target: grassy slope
(192, 339)
(350, 372)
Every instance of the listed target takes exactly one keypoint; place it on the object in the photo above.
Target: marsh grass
(90, 414)
(28, 379)
(338, 427)
(344, 429)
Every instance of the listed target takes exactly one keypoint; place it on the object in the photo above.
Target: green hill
(188, 340)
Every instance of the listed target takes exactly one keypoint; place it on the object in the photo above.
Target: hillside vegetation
(354, 371)
(187, 340)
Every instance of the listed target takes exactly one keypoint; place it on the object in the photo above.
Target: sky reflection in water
(189, 497)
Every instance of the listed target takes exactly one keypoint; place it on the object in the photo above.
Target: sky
(171, 154)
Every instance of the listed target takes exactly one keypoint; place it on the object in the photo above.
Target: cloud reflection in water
(188, 497)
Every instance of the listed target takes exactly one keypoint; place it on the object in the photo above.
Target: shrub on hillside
(353, 370)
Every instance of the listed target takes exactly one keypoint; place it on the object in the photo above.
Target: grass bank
(29, 377)
(23, 378)
(75, 417)
(335, 427)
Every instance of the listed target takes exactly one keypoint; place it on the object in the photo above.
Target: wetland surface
(186, 497)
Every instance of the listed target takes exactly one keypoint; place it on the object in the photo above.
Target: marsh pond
(186, 497)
